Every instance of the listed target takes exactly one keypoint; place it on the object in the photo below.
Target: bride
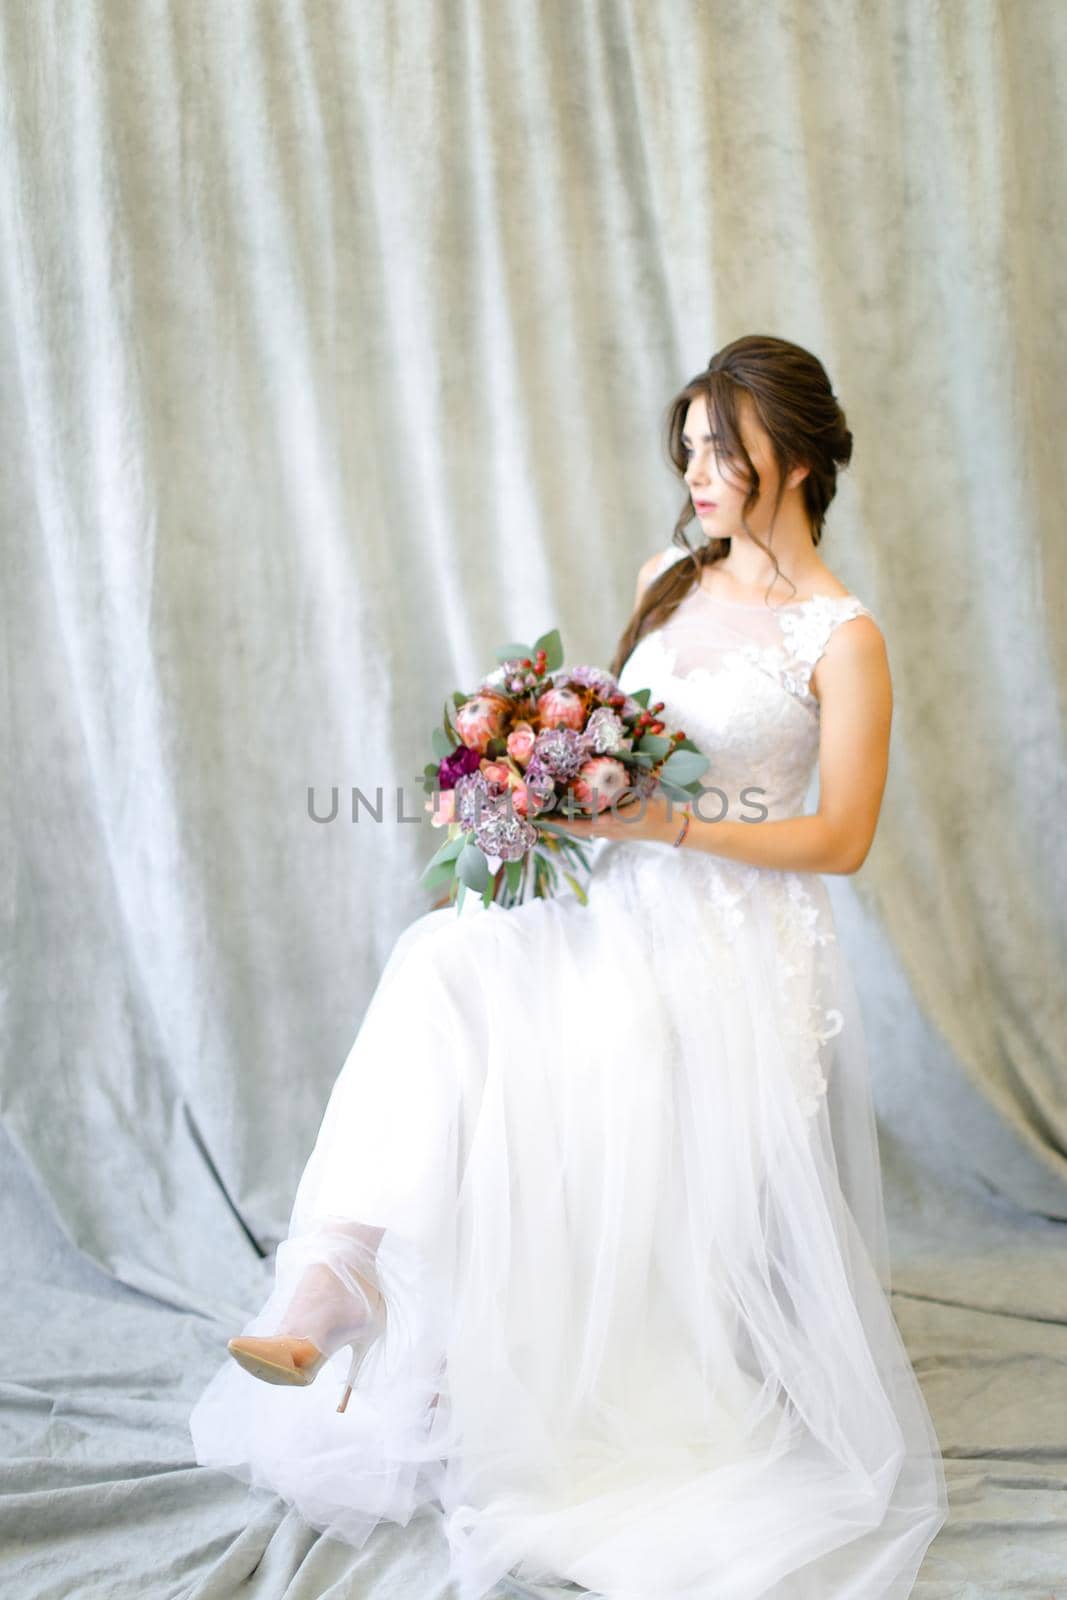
(593, 1227)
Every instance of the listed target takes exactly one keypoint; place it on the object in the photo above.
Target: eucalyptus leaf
(684, 766)
(675, 790)
(654, 745)
(442, 745)
(508, 652)
(472, 867)
(438, 877)
(552, 645)
(448, 851)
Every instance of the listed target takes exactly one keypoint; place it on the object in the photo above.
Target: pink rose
(561, 707)
(479, 719)
(604, 774)
(521, 742)
(518, 799)
(497, 772)
(445, 811)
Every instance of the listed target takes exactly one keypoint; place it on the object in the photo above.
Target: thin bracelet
(684, 829)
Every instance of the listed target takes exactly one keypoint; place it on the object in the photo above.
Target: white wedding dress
(623, 1163)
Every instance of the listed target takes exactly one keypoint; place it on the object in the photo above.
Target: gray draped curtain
(337, 340)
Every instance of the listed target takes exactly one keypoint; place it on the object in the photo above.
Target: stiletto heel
(361, 1349)
(260, 1356)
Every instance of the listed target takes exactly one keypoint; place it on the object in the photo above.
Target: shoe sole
(270, 1371)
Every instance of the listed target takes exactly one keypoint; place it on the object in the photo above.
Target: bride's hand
(646, 819)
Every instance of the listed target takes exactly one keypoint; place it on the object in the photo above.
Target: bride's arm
(853, 686)
(854, 689)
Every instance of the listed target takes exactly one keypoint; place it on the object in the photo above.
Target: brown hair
(795, 404)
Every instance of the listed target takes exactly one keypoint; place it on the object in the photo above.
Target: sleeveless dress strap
(807, 632)
(672, 553)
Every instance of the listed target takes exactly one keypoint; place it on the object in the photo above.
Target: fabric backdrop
(337, 341)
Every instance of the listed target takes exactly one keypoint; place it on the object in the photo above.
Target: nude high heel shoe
(262, 1357)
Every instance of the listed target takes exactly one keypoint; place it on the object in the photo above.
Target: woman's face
(718, 488)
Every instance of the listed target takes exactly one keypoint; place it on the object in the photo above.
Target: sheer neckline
(785, 605)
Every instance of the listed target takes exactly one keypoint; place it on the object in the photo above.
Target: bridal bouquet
(532, 738)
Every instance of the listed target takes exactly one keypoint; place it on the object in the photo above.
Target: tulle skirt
(621, 1165)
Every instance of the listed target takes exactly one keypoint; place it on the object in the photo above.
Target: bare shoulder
(862, 635)
(854, 661)
(855, 637)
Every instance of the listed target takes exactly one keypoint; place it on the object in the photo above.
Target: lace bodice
(737, 679)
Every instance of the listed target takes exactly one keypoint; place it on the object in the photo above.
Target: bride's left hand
(647, 820)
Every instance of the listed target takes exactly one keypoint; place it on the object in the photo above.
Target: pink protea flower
(521, 742)
(561, 707)
(480, 719)
(445, 810)
(604, 774)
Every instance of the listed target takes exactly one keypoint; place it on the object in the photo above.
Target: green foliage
(448, 850)
(441, 877)
(552, 645)
(576, 886)
(684, 767)
(472, 867)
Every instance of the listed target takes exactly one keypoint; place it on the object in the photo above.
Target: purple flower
(540, 785)
(560, 751)
(456, 766)
(592, 678)
(502, 833)
(472, 798)
(604, 732)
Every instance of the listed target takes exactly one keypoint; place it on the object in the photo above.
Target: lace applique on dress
(737, 678)
(807, 1021)
(805, 634)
